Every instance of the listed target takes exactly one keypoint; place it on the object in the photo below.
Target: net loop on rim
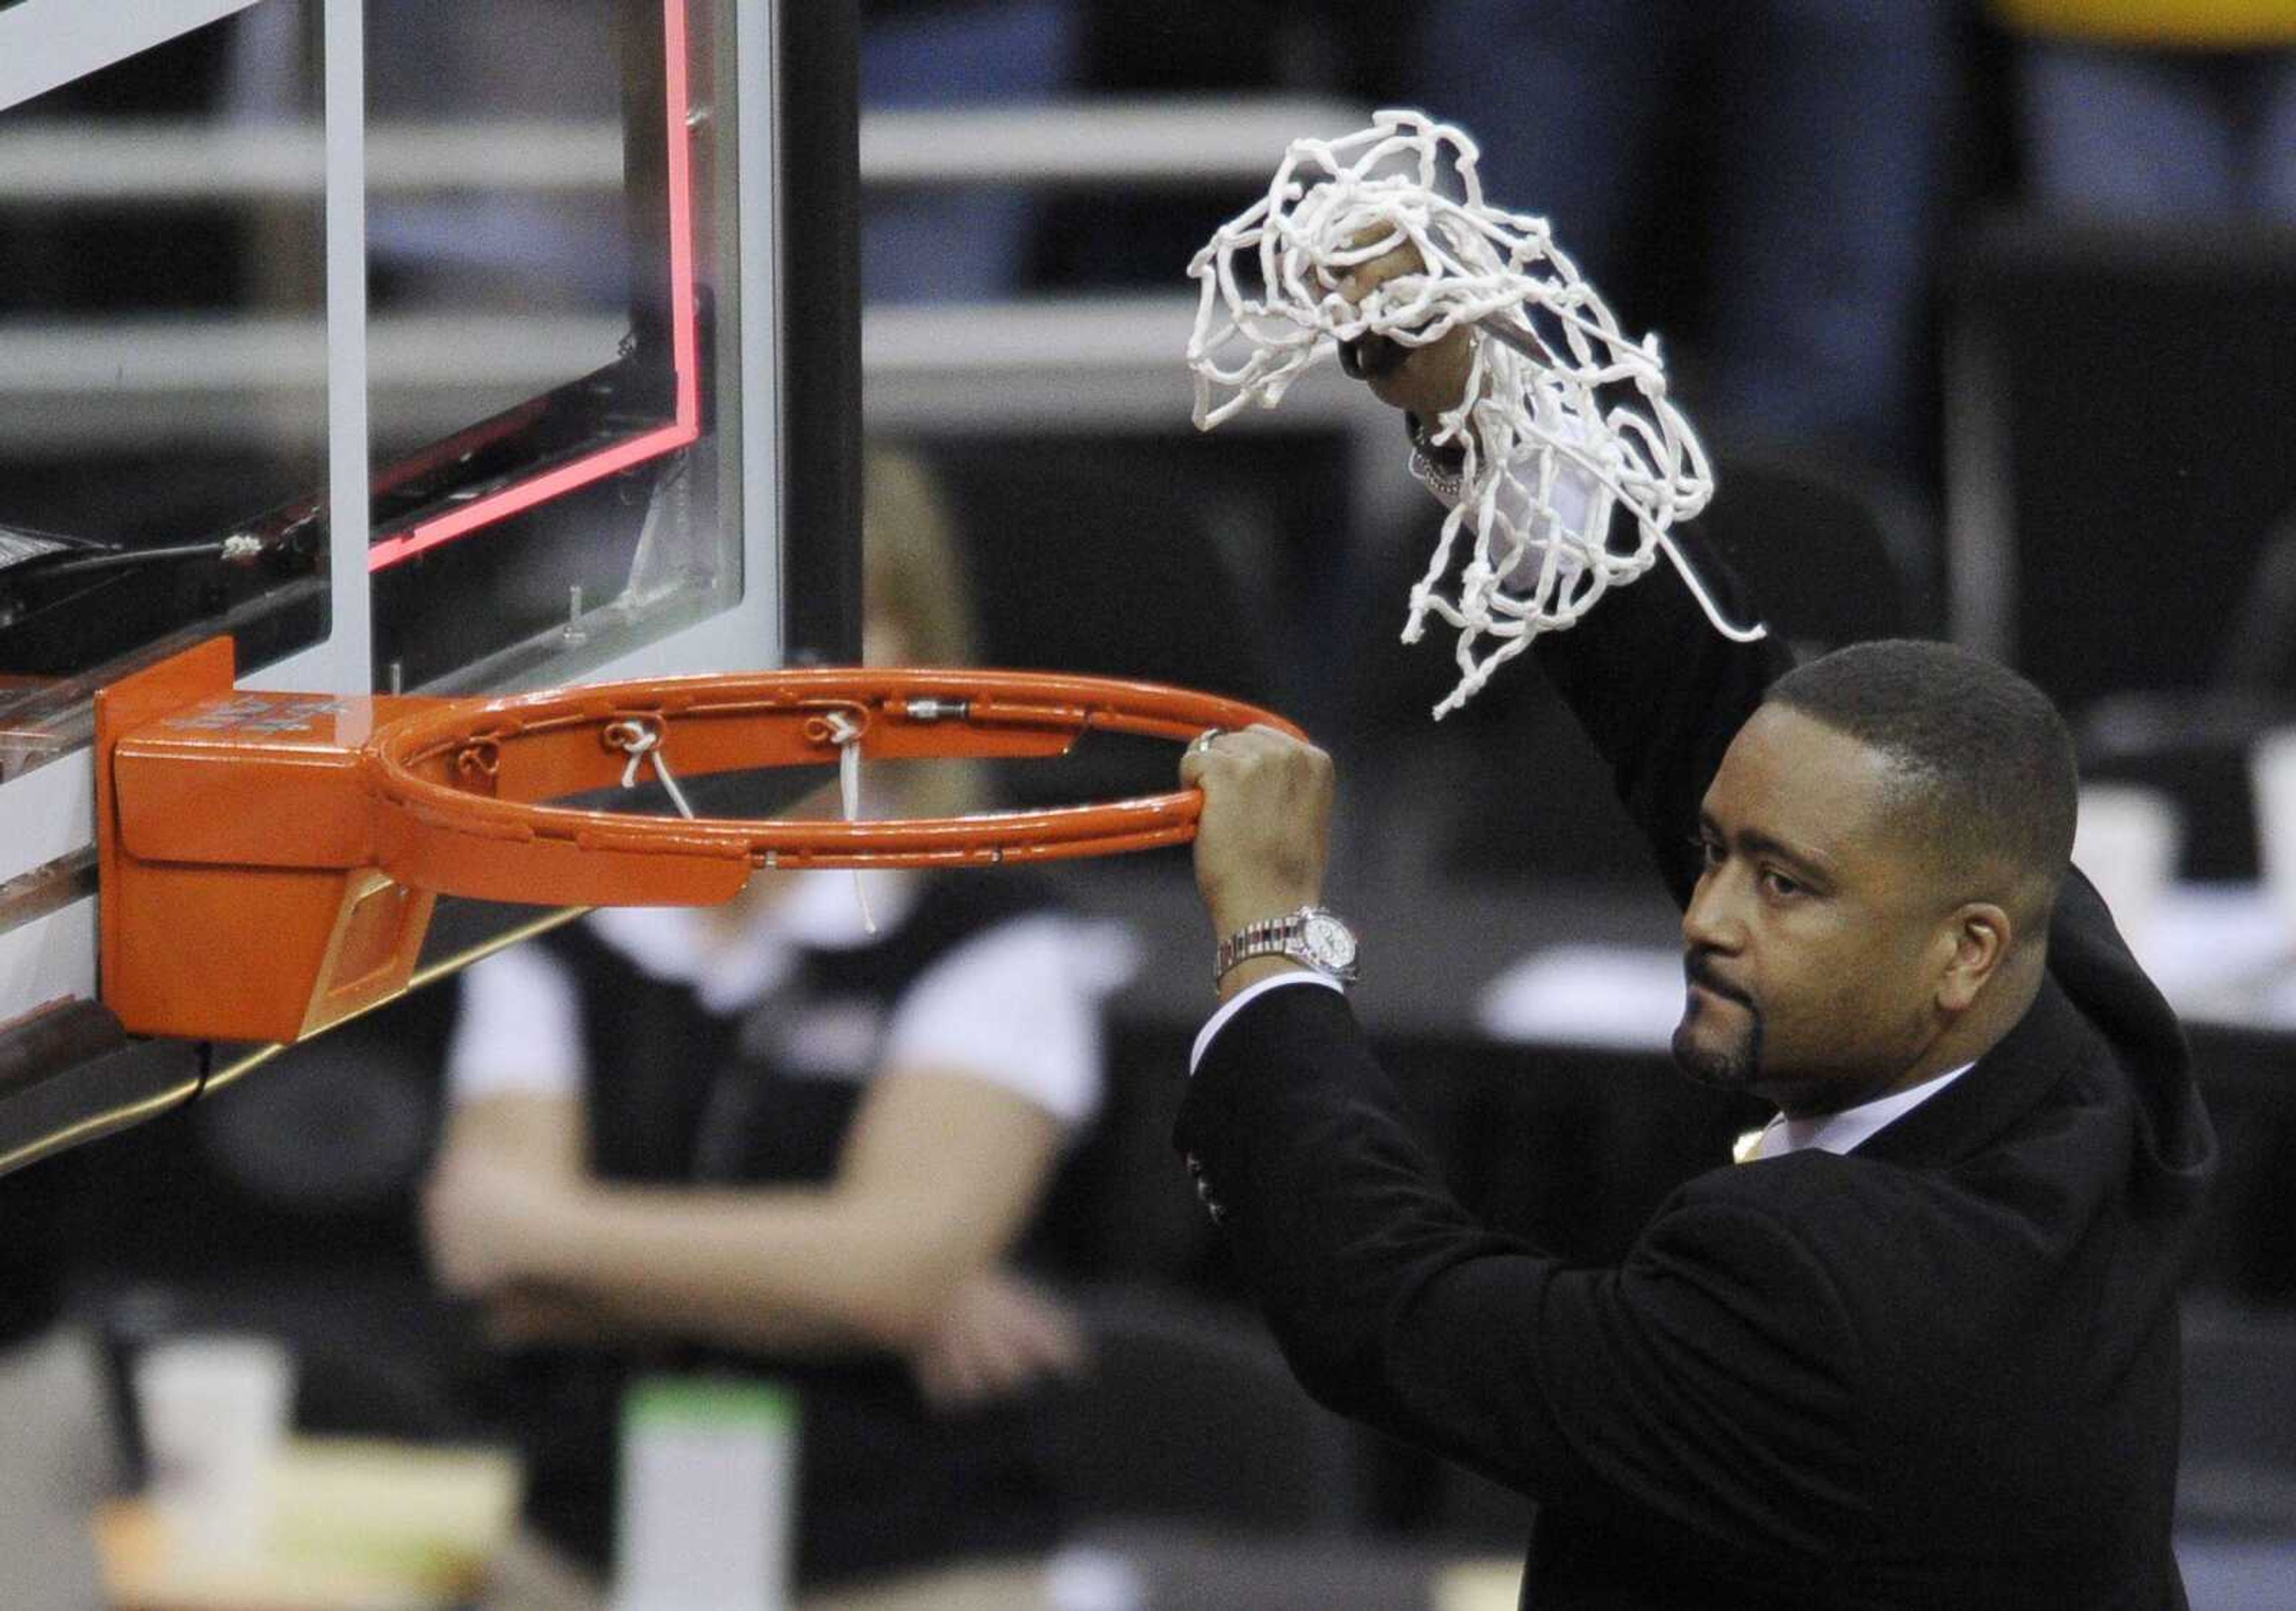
(1576, 463)
(844, 729)
(479, 758)
(642, 742)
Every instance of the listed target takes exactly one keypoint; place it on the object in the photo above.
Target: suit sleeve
(1660, 693)
(1707, 1387)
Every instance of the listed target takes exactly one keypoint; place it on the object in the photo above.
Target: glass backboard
(415, 348)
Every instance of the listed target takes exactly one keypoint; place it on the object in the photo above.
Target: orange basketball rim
(269, 861)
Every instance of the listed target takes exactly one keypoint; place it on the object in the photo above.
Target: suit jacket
(1941, 1370)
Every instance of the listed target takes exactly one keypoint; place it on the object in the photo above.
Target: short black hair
(1991, 784)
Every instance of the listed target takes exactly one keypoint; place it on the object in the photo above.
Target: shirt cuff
(1247, 995)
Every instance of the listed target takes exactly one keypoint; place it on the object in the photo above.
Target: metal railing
(1187, 141)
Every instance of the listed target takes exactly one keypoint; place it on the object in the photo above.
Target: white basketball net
(1565, 424)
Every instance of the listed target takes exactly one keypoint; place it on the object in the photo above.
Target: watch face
(1327, 940)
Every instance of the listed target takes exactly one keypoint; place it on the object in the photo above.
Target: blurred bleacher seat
(2239, 1474)
(2117, 408)
(2193, 744)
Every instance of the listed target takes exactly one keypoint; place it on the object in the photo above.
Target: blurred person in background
(1790, 151)
(760, 1138)
(2158, 110)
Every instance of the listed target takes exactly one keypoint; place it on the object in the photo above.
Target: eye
(1708, 849)
(1782, 886)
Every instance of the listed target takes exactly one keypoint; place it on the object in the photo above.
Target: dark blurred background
(1989, 314)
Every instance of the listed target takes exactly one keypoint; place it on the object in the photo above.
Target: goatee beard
(1732, 1067)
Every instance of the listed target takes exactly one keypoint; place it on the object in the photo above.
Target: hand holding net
(1576, 463)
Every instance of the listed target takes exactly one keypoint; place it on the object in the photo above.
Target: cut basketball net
(1576, 463)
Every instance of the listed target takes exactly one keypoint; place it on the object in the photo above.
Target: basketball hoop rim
(269, 861)
(419, 767)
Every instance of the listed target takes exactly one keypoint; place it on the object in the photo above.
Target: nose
(1710, 921)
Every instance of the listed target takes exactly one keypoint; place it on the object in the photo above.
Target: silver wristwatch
(1311, 935)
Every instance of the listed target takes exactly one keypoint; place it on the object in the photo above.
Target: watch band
(1331, 951)
(1266, 937)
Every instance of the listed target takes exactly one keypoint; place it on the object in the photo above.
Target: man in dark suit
(1923, 1350)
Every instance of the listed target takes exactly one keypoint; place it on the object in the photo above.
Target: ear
(1978, 936)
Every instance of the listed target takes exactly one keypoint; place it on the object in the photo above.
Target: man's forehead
(1792, 777)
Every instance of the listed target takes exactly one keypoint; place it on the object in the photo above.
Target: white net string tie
(1577, 464)
(642, 741)
(845, 732)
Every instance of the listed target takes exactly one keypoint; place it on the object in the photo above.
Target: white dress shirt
(1847, 1130)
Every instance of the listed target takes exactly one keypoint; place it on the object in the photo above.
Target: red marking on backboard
(685, 424)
